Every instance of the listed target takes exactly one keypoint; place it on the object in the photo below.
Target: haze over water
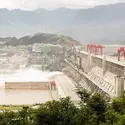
(28, 75)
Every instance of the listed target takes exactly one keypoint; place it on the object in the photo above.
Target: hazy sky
(50, 4)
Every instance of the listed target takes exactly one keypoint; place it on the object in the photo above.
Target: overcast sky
(51, 4)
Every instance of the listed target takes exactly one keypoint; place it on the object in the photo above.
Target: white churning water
(17, 96)
(28, 75)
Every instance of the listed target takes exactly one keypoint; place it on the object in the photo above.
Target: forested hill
(39, 38)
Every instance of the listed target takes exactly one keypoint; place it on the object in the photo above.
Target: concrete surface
(66, 88)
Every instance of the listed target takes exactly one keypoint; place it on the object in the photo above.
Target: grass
(13, 107)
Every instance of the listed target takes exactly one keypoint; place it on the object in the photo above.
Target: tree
(26, 116)
(85, 116)
(111, 116)
(61, 112)
(83, 95)
(118, 104)
(98, 106)
(8, 118)
(64, 112)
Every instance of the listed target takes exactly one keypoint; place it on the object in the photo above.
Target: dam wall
(99, 73)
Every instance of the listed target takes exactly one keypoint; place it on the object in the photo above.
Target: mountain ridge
(38, 38)
(89, 25)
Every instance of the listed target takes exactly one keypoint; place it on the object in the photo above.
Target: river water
(19, 97)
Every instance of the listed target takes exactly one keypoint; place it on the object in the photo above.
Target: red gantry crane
(93, 48)
(121, 51)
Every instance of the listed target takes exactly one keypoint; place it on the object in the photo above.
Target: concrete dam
(97, 73)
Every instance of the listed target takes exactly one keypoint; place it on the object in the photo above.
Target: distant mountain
(20, 22)
(101, 24)
(39, 38)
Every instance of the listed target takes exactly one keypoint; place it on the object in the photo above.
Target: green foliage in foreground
(92, 110)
